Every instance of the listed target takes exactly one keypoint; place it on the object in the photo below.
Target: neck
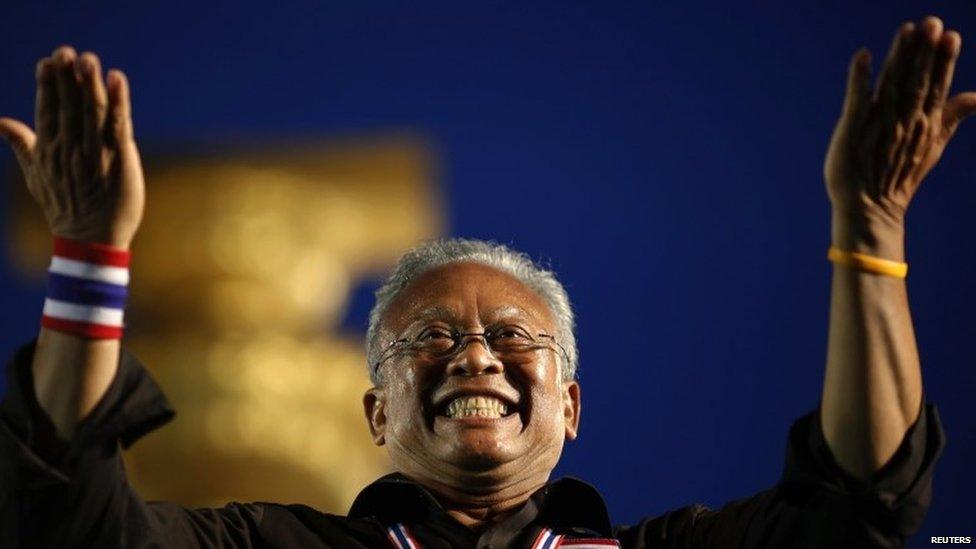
(477, 504)
(479, 520)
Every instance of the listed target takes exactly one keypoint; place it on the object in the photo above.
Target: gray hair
(435, 253)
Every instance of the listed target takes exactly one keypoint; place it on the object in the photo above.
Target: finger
(916, 84)
(858, 97)
(46, 103)
(119, 125)
(95, 102)
(129, 183)
(21, 139)
(958, 108)
(886, 92)
(945, 64)
(69, 93)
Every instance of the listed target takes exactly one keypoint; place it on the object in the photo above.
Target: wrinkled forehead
(467, 295)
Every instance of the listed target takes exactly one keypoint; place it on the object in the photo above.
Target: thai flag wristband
(86, 289)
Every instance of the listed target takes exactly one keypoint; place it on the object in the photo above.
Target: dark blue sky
(665, 156)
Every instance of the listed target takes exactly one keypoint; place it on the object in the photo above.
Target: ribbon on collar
(547, 540)
(401, 538)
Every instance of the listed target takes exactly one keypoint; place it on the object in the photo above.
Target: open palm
(80, 161)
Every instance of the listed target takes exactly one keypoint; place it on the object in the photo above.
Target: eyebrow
(438, 312)
(435, 312)
(509, 310)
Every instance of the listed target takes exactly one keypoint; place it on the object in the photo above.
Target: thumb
(858, 96)
(957, 108)
(21, 139)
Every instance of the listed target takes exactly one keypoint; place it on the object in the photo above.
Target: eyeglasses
(506, 343)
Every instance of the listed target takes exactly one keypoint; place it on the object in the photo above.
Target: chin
(480, 455)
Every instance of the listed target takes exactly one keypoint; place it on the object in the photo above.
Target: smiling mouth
(477, 406)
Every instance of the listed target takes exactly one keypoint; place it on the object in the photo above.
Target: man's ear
(571, 408)
(374, 404)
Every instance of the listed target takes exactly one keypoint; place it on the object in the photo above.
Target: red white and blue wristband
(86, 290)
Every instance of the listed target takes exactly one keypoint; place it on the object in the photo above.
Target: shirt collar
(567, 504)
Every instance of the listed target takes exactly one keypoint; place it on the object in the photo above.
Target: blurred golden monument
(241, 273)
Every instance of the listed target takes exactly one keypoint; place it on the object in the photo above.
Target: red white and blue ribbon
(401, 537)
(547, 540)
(588, 543)
(87, 289)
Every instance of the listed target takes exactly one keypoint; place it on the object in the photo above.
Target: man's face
(474, 412)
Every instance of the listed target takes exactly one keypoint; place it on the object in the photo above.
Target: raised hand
(889, 138)
(80, 161)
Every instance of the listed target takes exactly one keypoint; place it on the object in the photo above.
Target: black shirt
(76, 495)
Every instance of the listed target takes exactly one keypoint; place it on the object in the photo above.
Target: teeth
(476, 406)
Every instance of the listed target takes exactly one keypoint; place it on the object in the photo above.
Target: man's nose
(475, 358)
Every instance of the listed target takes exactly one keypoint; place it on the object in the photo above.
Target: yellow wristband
(868, 263)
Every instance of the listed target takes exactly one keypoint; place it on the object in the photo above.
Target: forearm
(872, 388)
(71, 375)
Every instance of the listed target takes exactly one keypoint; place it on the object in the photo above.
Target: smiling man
(475, 393)
(473, 358)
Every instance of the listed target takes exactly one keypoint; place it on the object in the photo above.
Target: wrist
(96, 238)
(880, 238)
